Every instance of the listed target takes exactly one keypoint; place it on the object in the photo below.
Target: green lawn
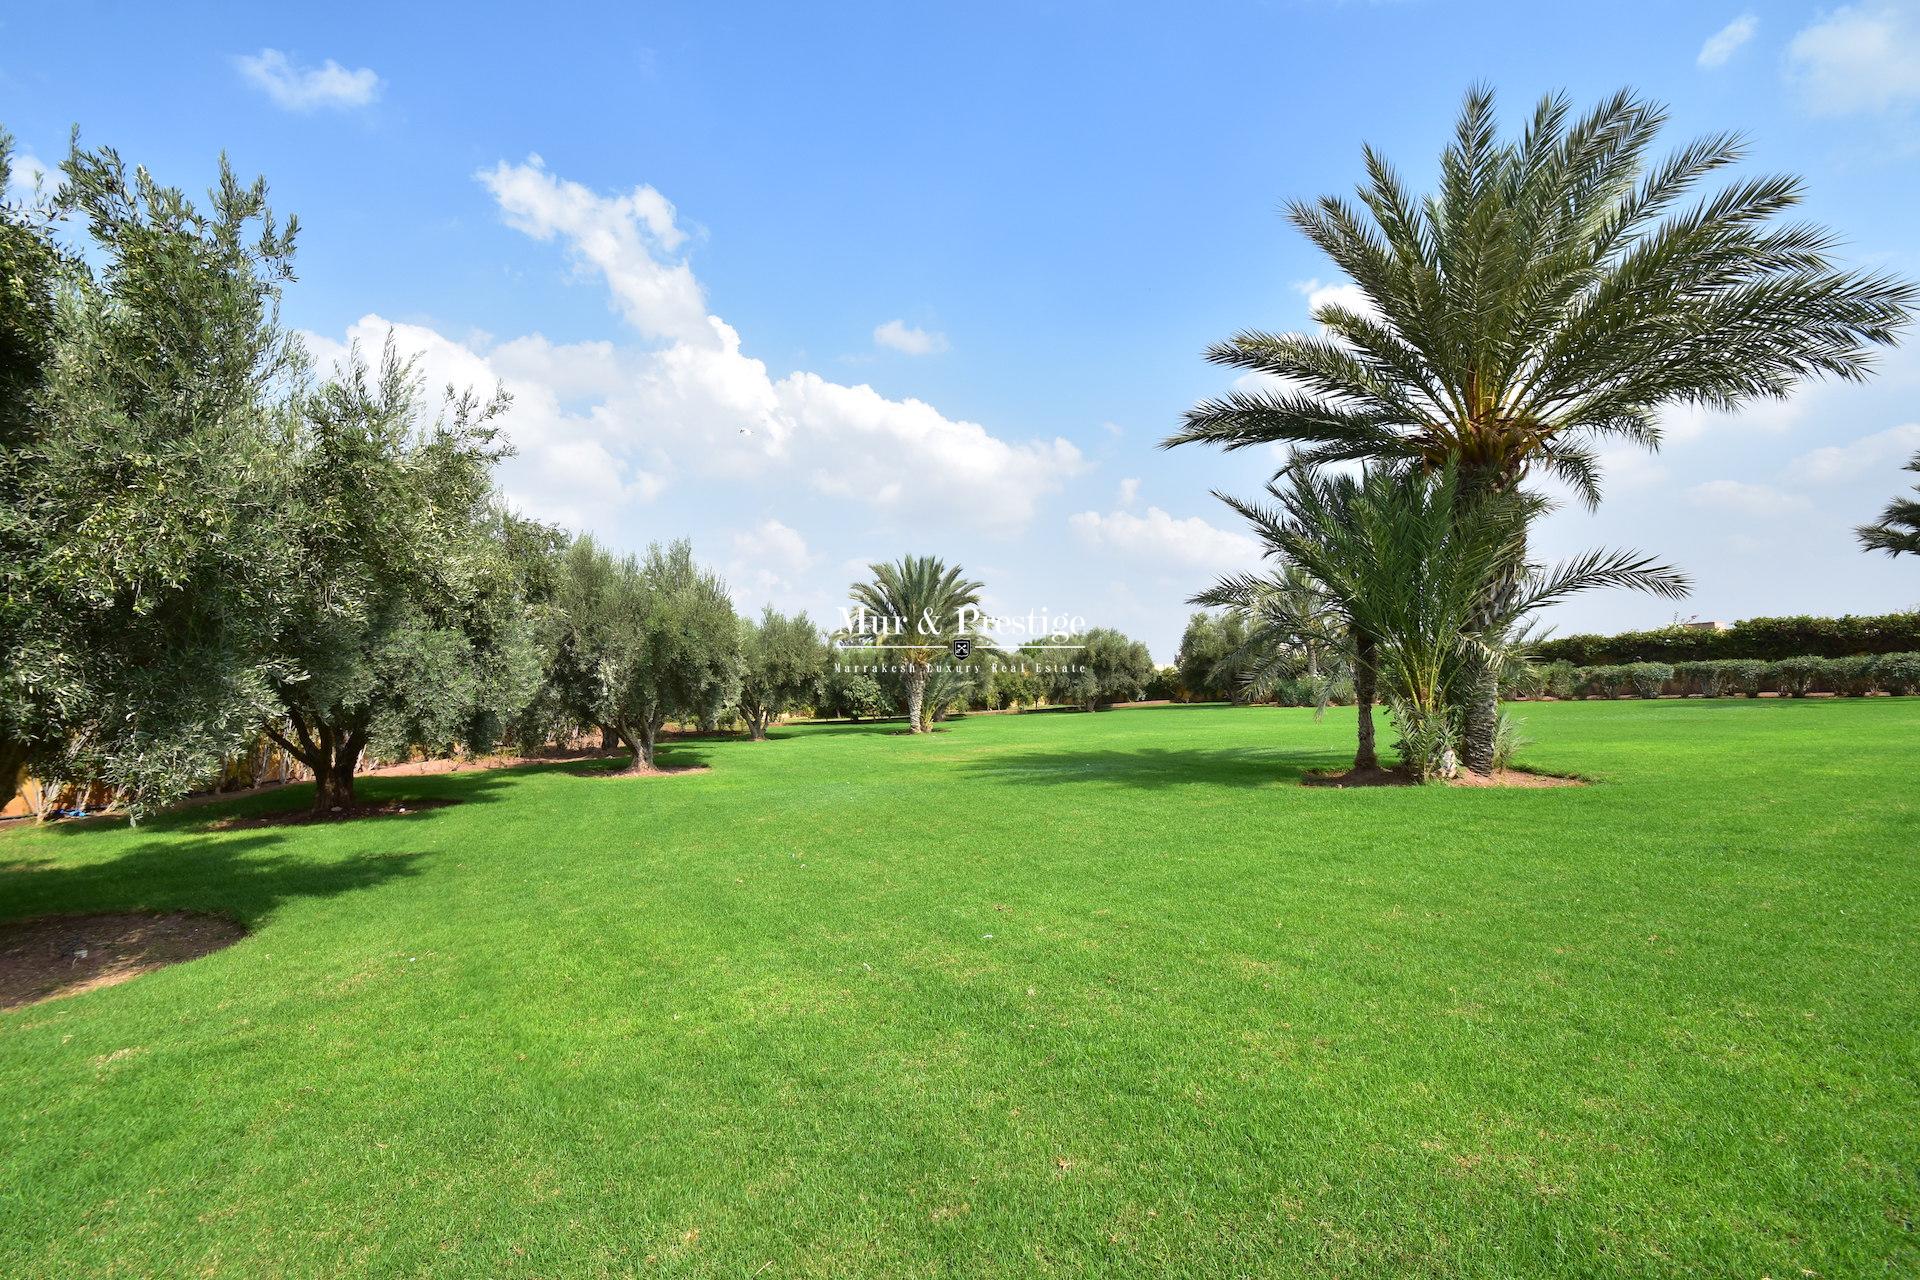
(1053, 994)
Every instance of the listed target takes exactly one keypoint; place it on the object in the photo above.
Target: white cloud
(299, 88)
(1886, 451)
(1350, 296)
(1157, 536)
(1767, 415)
(622, 237)
(601, 425)
(1740, 498)
(1129, 491)
(1858, 58)
(30, 180)
(1725, 42)
(774, 544)
(767, 562)
(902, 337)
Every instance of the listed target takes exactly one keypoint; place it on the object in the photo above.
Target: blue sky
(814, 285)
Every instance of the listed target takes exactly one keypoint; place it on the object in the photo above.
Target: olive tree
(782, 659)
(643, 641)
(1109, 668)
(145, 389)
(404, 619)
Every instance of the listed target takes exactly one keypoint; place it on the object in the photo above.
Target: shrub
(1746, 676)
(1855, 676)
(1524, 680)
(1648, 678)
(1795, 677)
(1508, 740)
(1560, 678)
(1602, 682)
(1704, 678)
(1768, 639)
(1900, 672)
(1313, 691)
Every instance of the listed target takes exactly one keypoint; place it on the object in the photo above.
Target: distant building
(1698, 624)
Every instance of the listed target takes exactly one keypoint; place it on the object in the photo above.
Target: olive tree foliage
(36, 683)
(404, 619)
(849, 688)
(1202, 661)
(643, 641)
(146, 373)
(782, 662)
(1108, 668)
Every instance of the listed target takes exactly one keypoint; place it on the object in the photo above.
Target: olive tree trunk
(331, 752)
(642, 739)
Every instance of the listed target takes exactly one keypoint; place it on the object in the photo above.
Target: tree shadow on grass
(236, 876)
(840, 728)
(1152, 767)
(442, 790)
(206, 816)
(668, 758)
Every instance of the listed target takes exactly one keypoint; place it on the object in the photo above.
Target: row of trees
(1551, 295)
(203, 542)
(1092, 671)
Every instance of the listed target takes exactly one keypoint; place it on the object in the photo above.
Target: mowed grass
(1042, 995)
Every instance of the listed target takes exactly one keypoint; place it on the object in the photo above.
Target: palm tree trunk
(1481, 723)
(1480, 717)
(916, 698)
(1365, 681)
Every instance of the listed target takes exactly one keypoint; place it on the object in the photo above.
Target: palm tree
(1420, 572)
(1898, 532)
(1549, 296)
(918, 600)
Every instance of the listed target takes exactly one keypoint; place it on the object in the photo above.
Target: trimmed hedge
(1855, 676)
(1769, 639)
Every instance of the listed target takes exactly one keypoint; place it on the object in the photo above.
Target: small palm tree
(1418, 570)
(919, 600)
(1549, 296)
(1898, 530)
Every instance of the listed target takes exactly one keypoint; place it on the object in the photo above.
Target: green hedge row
(1856, 676)
(1769, 639)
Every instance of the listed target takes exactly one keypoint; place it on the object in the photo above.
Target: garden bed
(54, 956)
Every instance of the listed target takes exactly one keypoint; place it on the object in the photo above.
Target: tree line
(206, 540)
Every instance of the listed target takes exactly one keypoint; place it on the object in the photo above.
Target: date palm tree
(1550, 296)
(1422, 575)
(1898, 530)
(918, 600)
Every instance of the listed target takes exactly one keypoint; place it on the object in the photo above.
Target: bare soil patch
(347, 813)
(1399, 778)
(657, 771)
(54, 956)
